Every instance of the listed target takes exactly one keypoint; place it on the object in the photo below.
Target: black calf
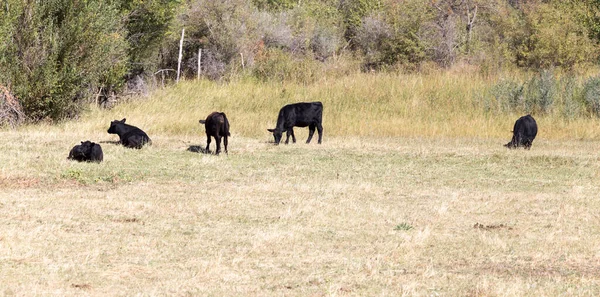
(217, 126)
(87, 151)
(130, 136)
(524, 133)
(299, 115)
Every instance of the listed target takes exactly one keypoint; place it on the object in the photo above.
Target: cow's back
(217, 124)
(302, 114)
(526, 127)
(134, 137)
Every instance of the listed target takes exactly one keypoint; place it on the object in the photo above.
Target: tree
(55, 52)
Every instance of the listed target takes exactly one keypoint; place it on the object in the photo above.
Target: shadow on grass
(115, 142)
(197, 149)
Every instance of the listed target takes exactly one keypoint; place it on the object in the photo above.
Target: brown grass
(418, 210)
(300, 219)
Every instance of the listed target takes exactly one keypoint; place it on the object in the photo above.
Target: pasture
(411, 193)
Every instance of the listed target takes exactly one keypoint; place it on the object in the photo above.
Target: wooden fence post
(180, 53)
(199, 62)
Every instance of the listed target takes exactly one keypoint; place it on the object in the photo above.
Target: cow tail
(226, 124)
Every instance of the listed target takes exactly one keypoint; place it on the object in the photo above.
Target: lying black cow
(87, 151)
(217, 126)
(524, 133)
(130, 136)
(299, 115)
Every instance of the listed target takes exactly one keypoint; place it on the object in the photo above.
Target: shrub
(11, 112)
(508, 95)
(591, 95)
(391, 35)
(541, 92)
(543, 35)
(278, 65)
(222, 29)
(60, 51)
(570, 91)
(147, 22)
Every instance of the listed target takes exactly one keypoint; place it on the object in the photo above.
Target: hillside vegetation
(57, 56)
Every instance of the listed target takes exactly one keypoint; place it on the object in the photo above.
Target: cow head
(514, 143)
(276, 134)
(113, 126)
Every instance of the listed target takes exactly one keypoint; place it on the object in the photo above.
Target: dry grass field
(388, 205)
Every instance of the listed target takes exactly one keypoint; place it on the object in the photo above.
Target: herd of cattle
(304, 114)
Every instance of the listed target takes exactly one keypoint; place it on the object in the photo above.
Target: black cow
(217, 126)
(87, 151)
(130, 136)
(299, 115)
(524, 132)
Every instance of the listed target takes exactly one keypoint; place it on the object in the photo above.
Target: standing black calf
(87, 151)
(299, 115)
(217, 126)
(524, 132)
(130, 136)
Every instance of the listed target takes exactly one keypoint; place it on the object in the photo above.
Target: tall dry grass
(442, 104)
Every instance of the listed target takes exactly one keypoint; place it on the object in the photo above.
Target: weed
(403, 227)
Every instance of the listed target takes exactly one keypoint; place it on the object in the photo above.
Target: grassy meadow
(411, 193)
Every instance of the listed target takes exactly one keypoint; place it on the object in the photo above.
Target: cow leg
(320, 130)
(293, 136)
(218, 141)
(287, 135)
(225, 143)
(311, 132)
(207, 142)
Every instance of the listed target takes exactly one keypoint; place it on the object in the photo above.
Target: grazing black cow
(524, 132)
(87, 151)
(130, 136)
(217, 126)
(299, 115)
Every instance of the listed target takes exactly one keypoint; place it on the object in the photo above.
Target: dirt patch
(18, 182)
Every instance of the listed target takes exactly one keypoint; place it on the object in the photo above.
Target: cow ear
(271, 130)
(123, 120)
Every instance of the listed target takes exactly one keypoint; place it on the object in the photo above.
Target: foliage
(224, 30)
(354, 11)
(391, 35)
(56, 54)
(58, 51)
(543, 35)
(403, 227)
(147, 23)
(591, 95)
(541, 92)
(275, 5)
(278, 65)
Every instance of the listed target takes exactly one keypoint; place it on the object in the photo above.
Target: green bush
(541, 92)
(278, 65)
(60, 51)
(508, 95)
(391, 35)
(591, 95)
(147, 23)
